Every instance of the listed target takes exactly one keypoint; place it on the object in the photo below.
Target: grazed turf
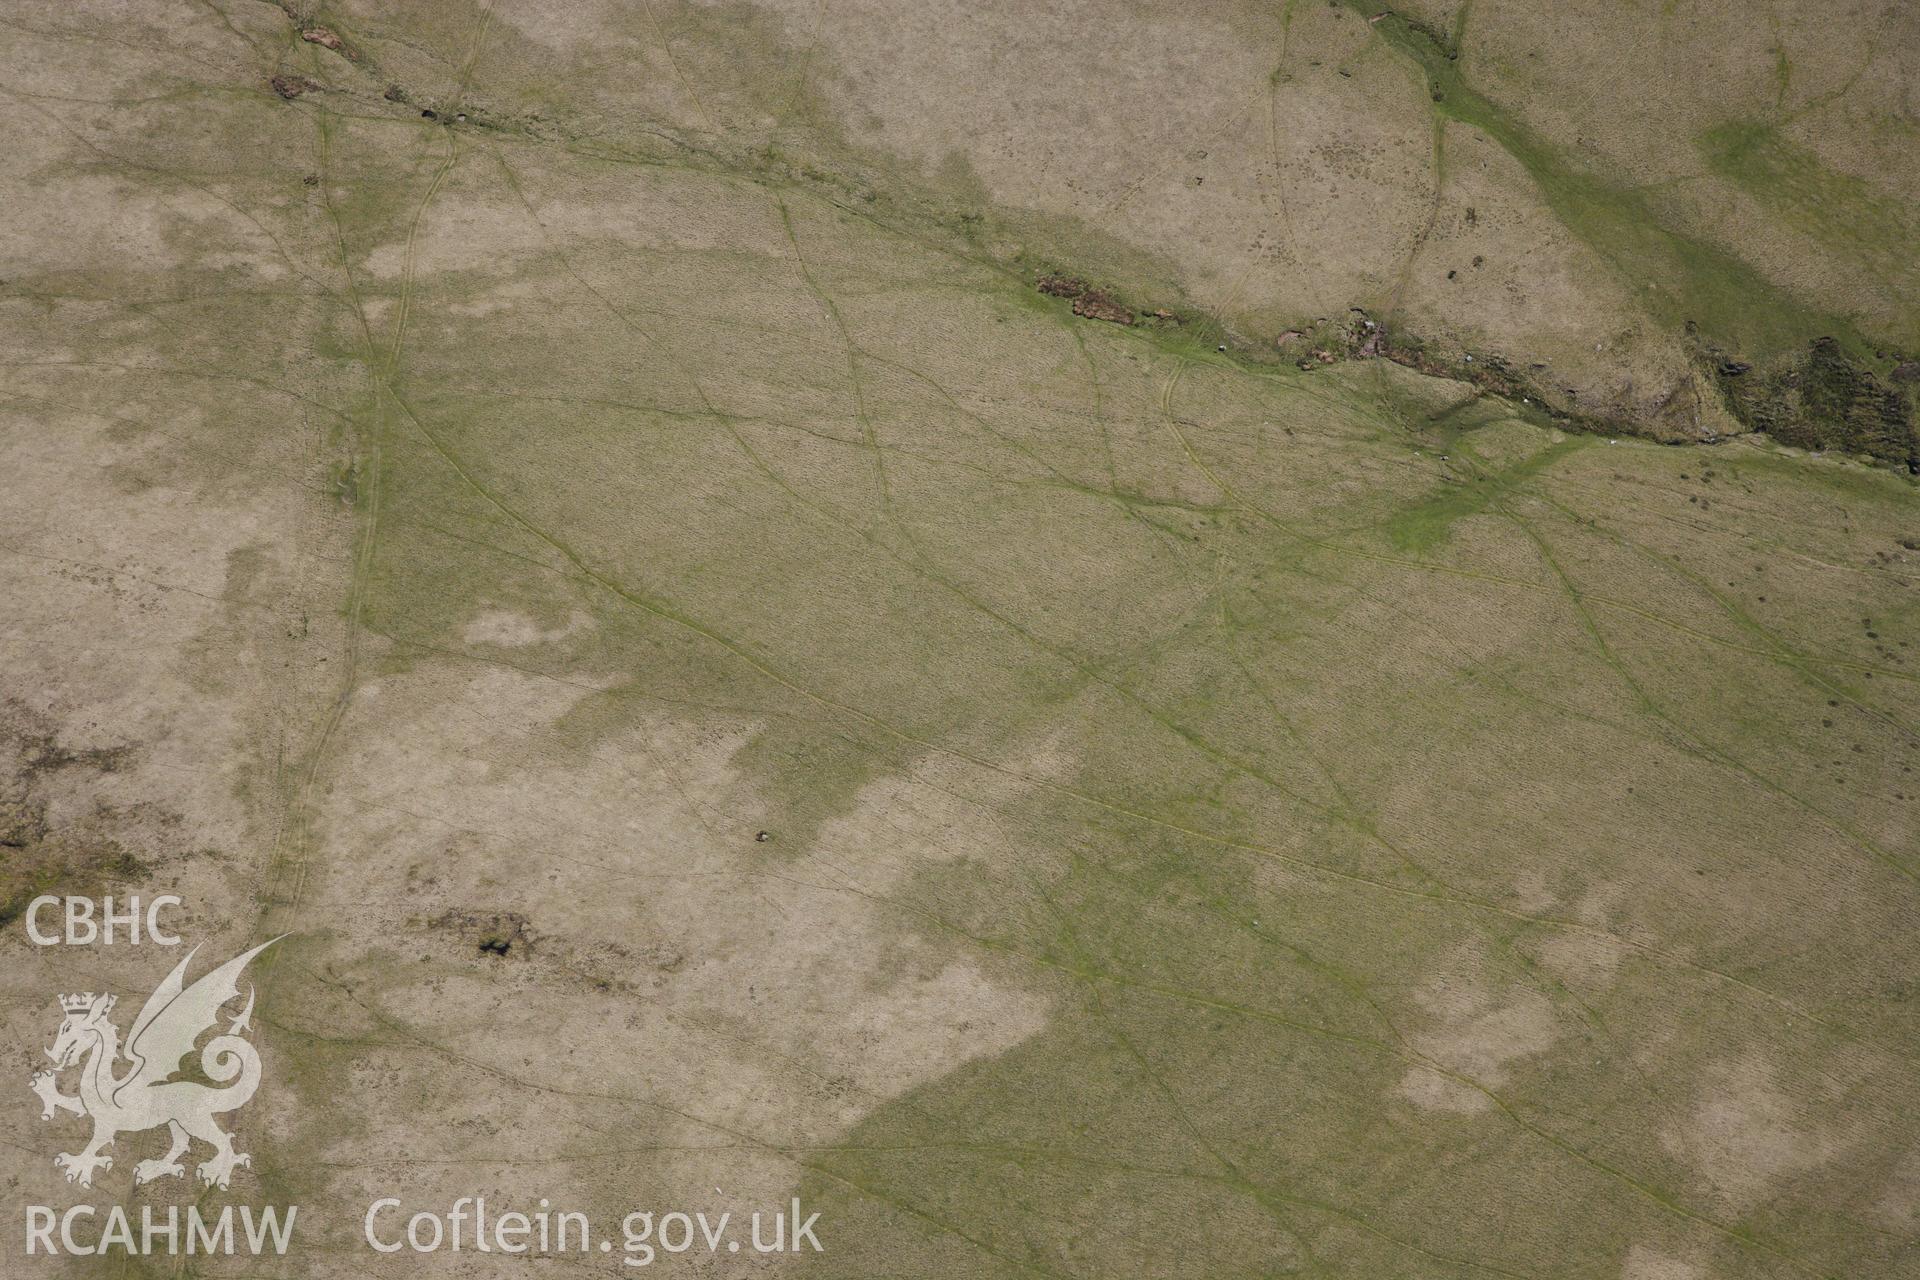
(1220, 818)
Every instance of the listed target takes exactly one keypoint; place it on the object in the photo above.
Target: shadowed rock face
(1037, 624)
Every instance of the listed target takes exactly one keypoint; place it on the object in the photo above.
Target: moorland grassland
(1399, 761)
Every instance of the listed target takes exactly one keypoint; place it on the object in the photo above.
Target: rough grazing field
(472, 472)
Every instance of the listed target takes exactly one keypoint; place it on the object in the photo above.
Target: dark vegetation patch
(1825, 399)
(1434, 36)
(40, 752)
(607, 966)
(64, 863)
(23, 823)
(494, 934)
(35, 856)
(36, 860)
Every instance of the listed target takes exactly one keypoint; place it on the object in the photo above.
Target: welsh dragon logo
(145, 1095)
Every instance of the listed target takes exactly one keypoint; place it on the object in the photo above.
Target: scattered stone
(1089, 302)
(1055, 285)
(395, 93)
(291, 87)
(326, 38)
(1098, 306)
(762, 836)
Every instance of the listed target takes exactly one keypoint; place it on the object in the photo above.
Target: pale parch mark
(1644, 1263)
(512, 629)
(1745, 1133)
(804, 1156)
(924, 1023)
(1473, 1031)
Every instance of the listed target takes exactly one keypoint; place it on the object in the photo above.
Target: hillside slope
(671, 551)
